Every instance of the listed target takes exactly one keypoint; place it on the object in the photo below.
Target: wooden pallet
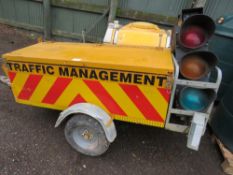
(227, 164)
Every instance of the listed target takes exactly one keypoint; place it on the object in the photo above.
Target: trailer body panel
(131, 84)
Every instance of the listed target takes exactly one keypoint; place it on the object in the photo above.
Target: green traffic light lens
(194, 99)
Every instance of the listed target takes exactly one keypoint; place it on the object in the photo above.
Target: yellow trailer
(124, 79)
(130, 83)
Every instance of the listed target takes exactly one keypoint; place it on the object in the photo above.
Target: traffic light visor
(196, 65)
(196, 99)
(196, 31)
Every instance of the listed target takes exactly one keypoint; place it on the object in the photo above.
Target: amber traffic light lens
(194, 67)
(193, 37)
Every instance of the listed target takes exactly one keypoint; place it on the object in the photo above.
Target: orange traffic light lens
(193, 37)
(194, 67)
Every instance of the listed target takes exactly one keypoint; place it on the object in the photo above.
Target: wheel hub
(87, 135)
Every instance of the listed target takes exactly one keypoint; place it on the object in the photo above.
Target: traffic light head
(196, 65)
(195, 61)
(196, 99)
(195, 31)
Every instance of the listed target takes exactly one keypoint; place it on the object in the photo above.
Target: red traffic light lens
(193, 37)
(194, 67)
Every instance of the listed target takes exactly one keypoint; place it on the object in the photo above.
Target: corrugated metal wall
(162, 7)
(65, 22)
(217, 8)
(74, 22)
(94, 2)
(70, 22)
(22, 12)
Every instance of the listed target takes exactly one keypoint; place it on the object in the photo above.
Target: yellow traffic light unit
(134, 76)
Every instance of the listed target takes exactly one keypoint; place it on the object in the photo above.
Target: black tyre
(86, 135)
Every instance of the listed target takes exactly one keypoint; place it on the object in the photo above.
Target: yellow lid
(143, 59)
(142, 34)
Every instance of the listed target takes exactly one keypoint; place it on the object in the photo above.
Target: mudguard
(93, 111)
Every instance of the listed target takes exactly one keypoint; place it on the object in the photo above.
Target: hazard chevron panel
(132, 97)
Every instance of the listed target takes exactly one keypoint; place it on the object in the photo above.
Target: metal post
(47, 19)
(113, 9)
(199, 3)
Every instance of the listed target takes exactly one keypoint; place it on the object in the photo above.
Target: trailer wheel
(86, 135)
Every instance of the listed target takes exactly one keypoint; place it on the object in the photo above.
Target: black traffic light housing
(193, 31)
(190, 12)
(197, 28)
(196, 65)
(192, 35)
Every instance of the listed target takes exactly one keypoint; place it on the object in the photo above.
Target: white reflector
(196, 131)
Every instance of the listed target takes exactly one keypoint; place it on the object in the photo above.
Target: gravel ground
(29, 143)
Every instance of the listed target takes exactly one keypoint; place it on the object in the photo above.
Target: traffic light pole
(198, 3)
(47, 19)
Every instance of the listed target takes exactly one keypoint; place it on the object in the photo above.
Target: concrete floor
(29, 143)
